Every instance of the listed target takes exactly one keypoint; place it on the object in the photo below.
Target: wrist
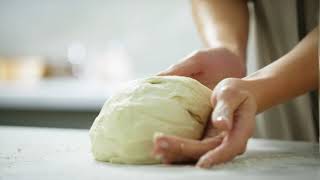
(238, 49)
(240, 86)
(235, 41)
(263, 87)
(231, 64)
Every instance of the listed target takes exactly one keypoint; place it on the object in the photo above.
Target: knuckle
(230, 87)
(198, 55)
(227, 91)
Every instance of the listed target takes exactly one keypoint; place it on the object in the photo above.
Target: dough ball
(172, 105)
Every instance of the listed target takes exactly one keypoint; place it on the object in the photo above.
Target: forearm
(223, 23)
(291, 75)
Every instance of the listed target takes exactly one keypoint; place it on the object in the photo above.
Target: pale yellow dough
(172, 105)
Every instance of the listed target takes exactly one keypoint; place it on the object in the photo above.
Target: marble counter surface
(52, 153)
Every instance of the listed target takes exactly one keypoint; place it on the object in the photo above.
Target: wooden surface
(52, 153)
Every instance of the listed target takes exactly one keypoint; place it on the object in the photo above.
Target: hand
(173, 149)
(233, 115)
(209, 66)
(234, 112)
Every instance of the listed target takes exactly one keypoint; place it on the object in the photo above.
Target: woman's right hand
(209, 66)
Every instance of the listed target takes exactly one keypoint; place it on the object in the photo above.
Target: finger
(180, 69)
(227, 102)
(221, 116)
(210, 131)
(245, 119)
(236, 141)
(171, 70)
(188, 66)
(222, 153)
(172, 149)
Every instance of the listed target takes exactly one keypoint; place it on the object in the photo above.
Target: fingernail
(216, 119)
(206, 164)
(221, 118)
(156, 136)
(182, 146)
(203, 164)
(164, 144)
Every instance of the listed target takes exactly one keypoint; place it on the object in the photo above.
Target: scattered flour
(264, 161)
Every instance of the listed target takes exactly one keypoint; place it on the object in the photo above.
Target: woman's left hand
(232, 124)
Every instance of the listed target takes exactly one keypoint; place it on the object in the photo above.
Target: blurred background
(60, 60)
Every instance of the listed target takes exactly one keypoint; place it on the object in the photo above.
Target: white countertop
(56, 94)
(50, 153)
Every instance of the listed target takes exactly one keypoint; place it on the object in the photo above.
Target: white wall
(154, 33)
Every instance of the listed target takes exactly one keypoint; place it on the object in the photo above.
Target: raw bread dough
(124, 129)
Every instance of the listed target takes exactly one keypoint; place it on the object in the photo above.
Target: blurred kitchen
(60, 60)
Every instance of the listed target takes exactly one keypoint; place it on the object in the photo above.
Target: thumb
(227, 103)
(222, 116)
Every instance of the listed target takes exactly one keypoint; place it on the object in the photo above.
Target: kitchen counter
(53, 153)
(56, 102)
(55, 94)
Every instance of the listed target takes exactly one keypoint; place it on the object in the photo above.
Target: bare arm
(223, 23)
(237, 101)
(293, 74)
(223, 26)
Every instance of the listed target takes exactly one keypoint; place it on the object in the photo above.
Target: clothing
(273, 33)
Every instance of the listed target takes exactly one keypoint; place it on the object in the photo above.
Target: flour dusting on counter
(264, 161)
